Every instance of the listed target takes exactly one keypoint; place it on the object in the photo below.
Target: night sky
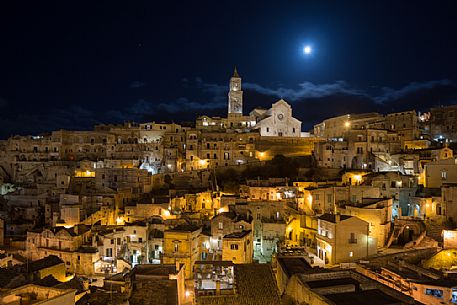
(74, 64)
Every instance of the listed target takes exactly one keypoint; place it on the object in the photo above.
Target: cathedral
(274, 122)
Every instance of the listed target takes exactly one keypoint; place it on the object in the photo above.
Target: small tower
(235, 95)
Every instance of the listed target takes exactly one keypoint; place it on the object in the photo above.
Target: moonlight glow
(307, 50)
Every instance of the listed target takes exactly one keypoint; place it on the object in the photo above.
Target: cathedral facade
(278, 121)
(274, 122)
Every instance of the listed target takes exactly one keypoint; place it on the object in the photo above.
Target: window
(221, 225)
(268, 129)
(443, 174)
(351, 254)
(437, 293)
(176, 247)
(233, 247)
(329, 198)
(140, 239)
(352, 239)
(109, 252)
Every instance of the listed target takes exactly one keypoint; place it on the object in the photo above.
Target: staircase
(435, 231)
(396, 232)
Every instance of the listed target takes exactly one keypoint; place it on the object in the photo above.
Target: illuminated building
(181, 245)
(238, 247)
(342, 238)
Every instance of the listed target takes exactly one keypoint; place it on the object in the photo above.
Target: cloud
(311, 103)
(217, 93)
(183, 104)
(416, 94)
(306, 90)
(136, 84)
(314, 102)
(73, 118)
(389, 94)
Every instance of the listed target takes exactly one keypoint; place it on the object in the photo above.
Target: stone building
(340, 287)
(238, 247)
(437, 173)
(255, 285)
(181, 245)
(448, 207)
(73, 246)
(443, 123)
(343, 238)
(138, 180)
(277, 121)
(30, 293)
(227, 223)
(377, 212)
(213, 149)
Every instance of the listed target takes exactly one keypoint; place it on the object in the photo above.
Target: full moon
(307, 50)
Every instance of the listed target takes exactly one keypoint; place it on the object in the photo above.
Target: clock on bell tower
(235, 96)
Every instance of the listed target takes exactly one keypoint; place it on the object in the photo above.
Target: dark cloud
(315, 102)
(311, 104)
(184, 104)
(75, 118)
(306, 90)
(136, 84)
(413, 89)
(426, 94)
(215, 92)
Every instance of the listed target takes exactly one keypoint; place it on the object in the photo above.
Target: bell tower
(235, 95)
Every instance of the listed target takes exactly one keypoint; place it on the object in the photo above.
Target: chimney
(337, 218)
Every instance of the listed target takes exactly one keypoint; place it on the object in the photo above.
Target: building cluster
(135, 213)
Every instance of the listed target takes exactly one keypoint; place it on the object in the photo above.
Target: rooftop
(373, 297)
(40, 264)
(185, 228)
(332, 217)
(238, 234)
(255, 286)
(293, 265)
(332, 282)
(152, 269)
(155, 292)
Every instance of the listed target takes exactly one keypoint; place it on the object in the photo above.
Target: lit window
(437, 293)
(444, 174)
